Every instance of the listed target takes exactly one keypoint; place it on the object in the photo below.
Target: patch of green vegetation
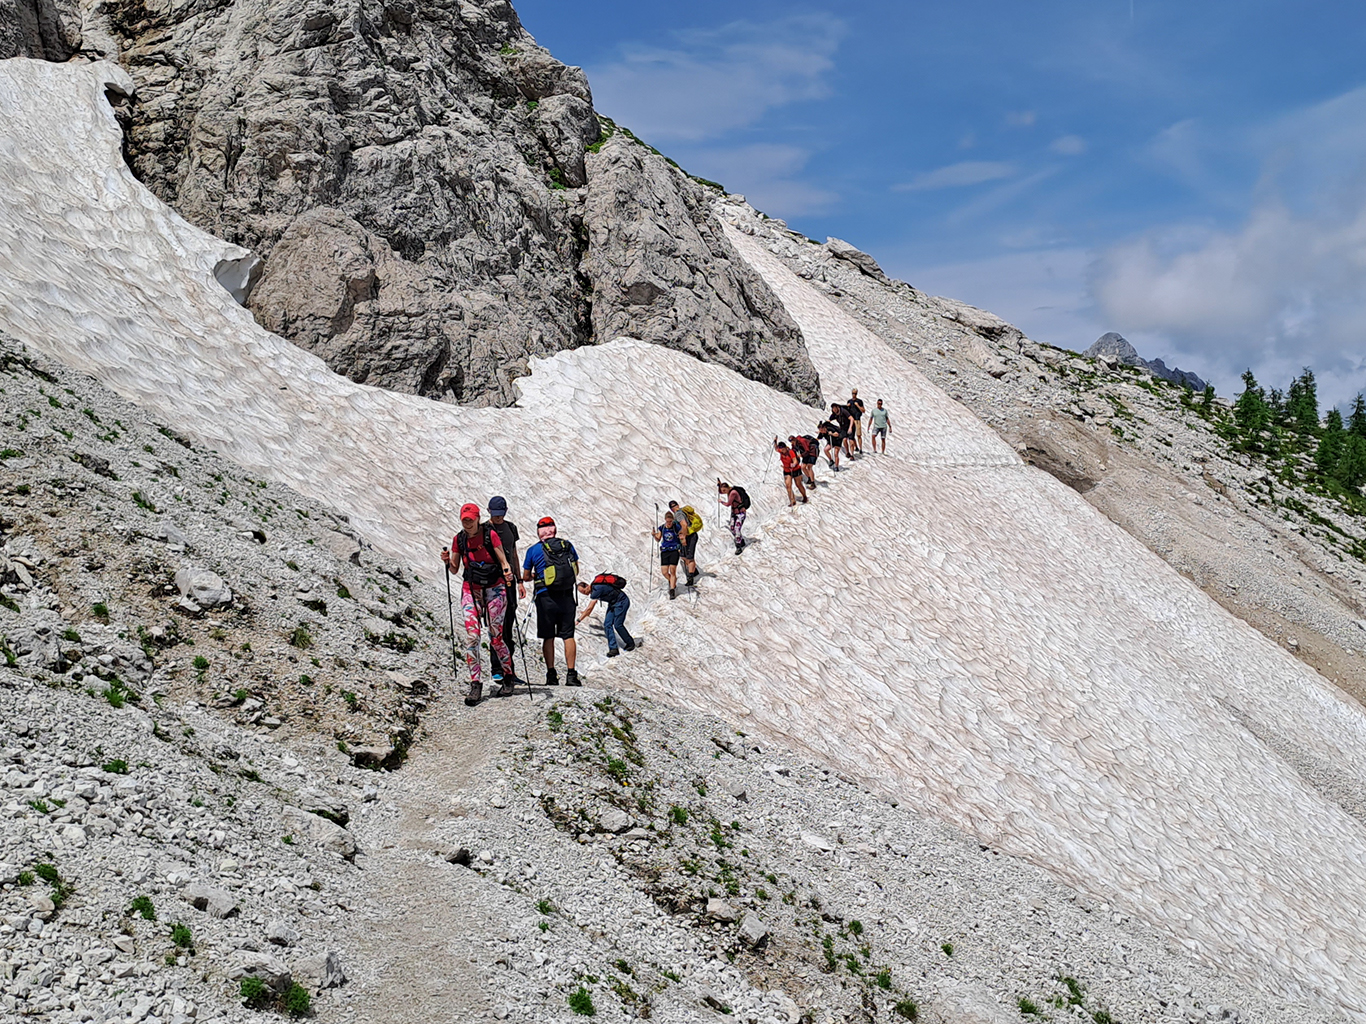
(883, 979)
(1028, 1007)
(907, 1009)
(301, 637)
(342, 592)
(100, 610)
(61, 889)
(581, 1002)
(545, 906)
(297, 1001)
(678, 815)
(143, 502)
(182, 937)
(947, 947)
(117, 766)
(352, 701)
(254, 992)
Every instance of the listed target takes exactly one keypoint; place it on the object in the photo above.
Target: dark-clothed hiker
(609, 588)
(482, 594)
(809, 450)
(509, 535)
(856, 410)
(735, 499)
(830, 431)
(844, 420)
(792, 470)
(687, 515)
(553, 563)
(670, 534)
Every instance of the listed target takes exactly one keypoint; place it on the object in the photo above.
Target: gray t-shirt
(879, 419)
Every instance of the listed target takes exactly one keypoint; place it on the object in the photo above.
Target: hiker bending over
(609, 588)
(792, 471)
(829, 431)
(687, 515)
(509, 535)
(670, 535)
(553, 563)
(809, 450)
(882, 426)
(856, 410)
(483, 594)
(844, 421)
(735, 499)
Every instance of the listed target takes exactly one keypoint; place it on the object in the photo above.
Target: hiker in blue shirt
(553, 563)
(608, 588)
(670, 535)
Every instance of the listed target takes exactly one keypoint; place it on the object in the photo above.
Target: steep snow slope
(948, 624)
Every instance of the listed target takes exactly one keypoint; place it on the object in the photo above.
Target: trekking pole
(652, 537)
(450, 614)
(521, 639)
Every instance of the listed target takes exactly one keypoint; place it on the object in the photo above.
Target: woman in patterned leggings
(730, 497)
(482, 594)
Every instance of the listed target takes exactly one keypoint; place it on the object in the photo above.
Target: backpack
(694, 520)
(560, 567)
(480, 574)
(609, 579)
(807, 445)
(744, 498)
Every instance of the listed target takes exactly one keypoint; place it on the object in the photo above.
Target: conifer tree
(1330, 444)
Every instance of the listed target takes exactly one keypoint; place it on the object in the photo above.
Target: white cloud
(719, 80)
(765, 174)
(969, 172)
(1068, 145)
(1283, 288)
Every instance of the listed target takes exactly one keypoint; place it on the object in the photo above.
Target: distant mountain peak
(1112, 347)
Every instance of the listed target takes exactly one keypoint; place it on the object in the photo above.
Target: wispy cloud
(767, 175)
(1068, 145)
(1021, 118)
(1284, 287)
(969, 172)
(718, 80)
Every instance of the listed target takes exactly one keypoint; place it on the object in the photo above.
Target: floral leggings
(737, 526)
(473, 601)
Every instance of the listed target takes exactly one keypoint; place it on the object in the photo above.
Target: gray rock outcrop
(1112, 347)
(418, 182)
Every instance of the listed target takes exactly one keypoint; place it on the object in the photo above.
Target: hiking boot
(805, 500)
(571, 678)
(613, 652)
(475, 695)
(630, 646)
(508, 687)
(673, 593)
(552, 678)
(691, 581)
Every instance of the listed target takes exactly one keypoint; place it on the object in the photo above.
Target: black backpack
(560, 568)
(810, 446)
(744, 497)
(481, 574)
(609, 579)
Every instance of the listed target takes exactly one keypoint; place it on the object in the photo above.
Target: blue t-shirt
(668, 537)
(607, 595)
(536, 559)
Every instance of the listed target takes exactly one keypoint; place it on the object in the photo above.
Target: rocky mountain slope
(1112, 349)
(431, 193)
(171, 827)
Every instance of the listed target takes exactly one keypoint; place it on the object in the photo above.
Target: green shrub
(884, 979)
(581, 1002)
(117, 766)
(855, 927)
(297, 1001)
(352, 701)
(679, 815)
(1029, 1007)
(908, 1009)
(100, 610)
(254, 992)
(545, 906)
(181, 936)
(71, 636)
(301, 638)
(201, 663)
(25, 878)
(947, 948)
(142, 906)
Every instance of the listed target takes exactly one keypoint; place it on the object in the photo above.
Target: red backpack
(609, 579)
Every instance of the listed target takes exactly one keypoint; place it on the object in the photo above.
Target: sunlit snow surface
(947, 623)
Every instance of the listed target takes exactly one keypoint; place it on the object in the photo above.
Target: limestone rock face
(414, 179)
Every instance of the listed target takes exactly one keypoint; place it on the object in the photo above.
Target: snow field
(946, 624)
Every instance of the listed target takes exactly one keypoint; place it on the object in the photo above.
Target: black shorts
(555, 614)
(690, 547)
(792, 472)
(669, 557)
(808, 460)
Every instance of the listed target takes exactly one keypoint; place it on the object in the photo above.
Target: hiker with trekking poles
(830, 431)
(553, 563)
(670, 534)
(483, 594)
(689, 517)
(610, 589)
(808, 450)
(792, 471)
(735, 499)
(509, 535)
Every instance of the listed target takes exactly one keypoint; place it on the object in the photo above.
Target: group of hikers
(486, 556)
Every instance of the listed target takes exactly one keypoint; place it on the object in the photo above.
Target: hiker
(830, 430)
(737, 501)
(882, 424)
(792, 471)
(809, 450)
(844, 419)
(553, 563)
(609, 588)
(483, 593)
(690, 518)
(509, 535)
(857, 409)
(670, 536)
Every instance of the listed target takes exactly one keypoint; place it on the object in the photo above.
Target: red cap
(469, 511)
(547, 521)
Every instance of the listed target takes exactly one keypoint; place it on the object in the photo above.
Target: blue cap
(498, 506)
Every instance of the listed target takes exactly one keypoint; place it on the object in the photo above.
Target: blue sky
(1192, 175)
